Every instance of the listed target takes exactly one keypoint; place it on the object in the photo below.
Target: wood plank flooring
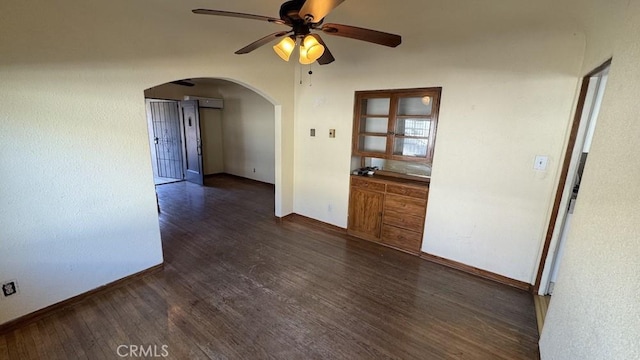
(239, 285)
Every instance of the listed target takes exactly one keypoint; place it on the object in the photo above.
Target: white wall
(212, 140)
(505, 99)
(248, 125)
(78, 203)
(595, 312)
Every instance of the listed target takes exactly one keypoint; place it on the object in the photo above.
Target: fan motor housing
(289, 11)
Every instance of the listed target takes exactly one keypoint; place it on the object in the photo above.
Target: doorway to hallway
(584, 125)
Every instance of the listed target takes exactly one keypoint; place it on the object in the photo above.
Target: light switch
(332, 133)
(541, 163)
(312, 132)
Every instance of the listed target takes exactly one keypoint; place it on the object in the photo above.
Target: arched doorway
(236, 135)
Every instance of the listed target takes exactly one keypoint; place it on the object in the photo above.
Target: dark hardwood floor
(239, 285)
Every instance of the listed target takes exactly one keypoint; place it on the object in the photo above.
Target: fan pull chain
(310, 73)
(300, 75)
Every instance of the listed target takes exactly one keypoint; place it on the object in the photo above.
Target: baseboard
(223, 174)
(51, 309)
(293, 217)
(477, 272)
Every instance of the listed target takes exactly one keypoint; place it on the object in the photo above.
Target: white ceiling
(416, 20)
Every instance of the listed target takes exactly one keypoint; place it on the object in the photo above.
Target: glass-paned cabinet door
(373, 125)
(413, 126)
(396, 124)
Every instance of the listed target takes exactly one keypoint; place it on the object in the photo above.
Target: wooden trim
(301, 219)
(51, 309)
(281, 219)
(565, 171)
(477, 272)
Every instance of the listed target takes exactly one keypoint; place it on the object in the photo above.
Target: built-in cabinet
(388, 210)
(394, 132)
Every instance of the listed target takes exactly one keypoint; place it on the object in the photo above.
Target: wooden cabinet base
(410, 241)
(388, 211)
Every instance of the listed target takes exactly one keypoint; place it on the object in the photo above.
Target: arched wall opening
(239, 134)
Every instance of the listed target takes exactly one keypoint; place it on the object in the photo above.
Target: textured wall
(595, 311)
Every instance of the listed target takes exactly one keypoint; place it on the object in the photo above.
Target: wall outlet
(332, 133)
(254, 169)
(312, 132)
(541, 163)
(9, 288)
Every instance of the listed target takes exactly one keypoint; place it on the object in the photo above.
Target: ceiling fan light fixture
(284, 48)
(304, 56)
(313, 47)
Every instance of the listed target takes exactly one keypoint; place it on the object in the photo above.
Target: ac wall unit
(204, 102)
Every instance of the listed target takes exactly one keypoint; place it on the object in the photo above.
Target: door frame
(565, 171)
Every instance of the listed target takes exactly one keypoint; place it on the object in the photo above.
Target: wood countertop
(394, 180)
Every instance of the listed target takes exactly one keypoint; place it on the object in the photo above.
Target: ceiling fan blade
(265, 40)
(237, 15)
(327, 57)
(314, 11)
(372, 36)
(183, 83)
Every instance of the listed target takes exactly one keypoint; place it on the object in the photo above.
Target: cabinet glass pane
(377, 106)
(415, 105)
(376, 144)
(413, 127)
(374, 125)
(410, 147)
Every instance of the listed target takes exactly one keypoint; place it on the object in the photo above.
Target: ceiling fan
(304, 17)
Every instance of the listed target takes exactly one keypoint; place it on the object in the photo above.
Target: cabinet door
(371, 125)
(365, 213)
(396, 124)
(413, 127)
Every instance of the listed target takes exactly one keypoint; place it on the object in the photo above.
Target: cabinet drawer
(409, 206)
(400, 219)
(364, 183)
(408, 191)
(400, 238)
